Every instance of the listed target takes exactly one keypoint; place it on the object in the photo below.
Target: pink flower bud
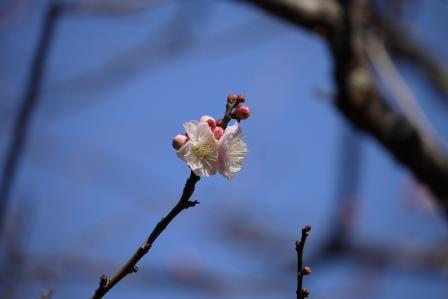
(211, 121)
(219, 122)
(241, 112)
(218, 132)
(179, 141)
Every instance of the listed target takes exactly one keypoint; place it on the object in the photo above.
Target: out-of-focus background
(98, 171)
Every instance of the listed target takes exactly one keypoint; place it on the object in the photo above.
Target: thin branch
(130, 266)
(301, 270)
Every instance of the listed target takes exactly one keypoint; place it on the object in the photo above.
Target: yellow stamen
(203, 149)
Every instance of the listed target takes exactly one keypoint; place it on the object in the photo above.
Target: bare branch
(130, 266)
(301, 270)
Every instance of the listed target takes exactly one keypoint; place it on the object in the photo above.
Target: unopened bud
(240, 99)
(306, 270)
(179, 141)
(305, 292)
(218, 132)
(307, 228)
(232, 98)
(241, 112)
(211, 121)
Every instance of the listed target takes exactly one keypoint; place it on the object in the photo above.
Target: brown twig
(130, 266)
(301, 270)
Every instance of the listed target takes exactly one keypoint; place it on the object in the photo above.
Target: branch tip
(307, 229)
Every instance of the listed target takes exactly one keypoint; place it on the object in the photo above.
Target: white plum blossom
(207, 148)
(201, 150)
(232, 151)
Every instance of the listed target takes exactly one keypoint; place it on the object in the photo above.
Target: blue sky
(98, 171)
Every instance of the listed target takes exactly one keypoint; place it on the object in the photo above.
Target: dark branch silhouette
(130, 266)
(301, 270)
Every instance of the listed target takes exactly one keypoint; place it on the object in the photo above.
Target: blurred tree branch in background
(253, 233)
(50, 270)
(33, 87)
(345, 26)
(25, 111)
(47, 294)
(403, 46)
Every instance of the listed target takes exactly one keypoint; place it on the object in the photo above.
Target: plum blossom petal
(190, 128)
(232, 151)
(201, 151)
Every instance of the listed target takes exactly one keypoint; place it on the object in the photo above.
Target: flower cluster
(209, 146)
